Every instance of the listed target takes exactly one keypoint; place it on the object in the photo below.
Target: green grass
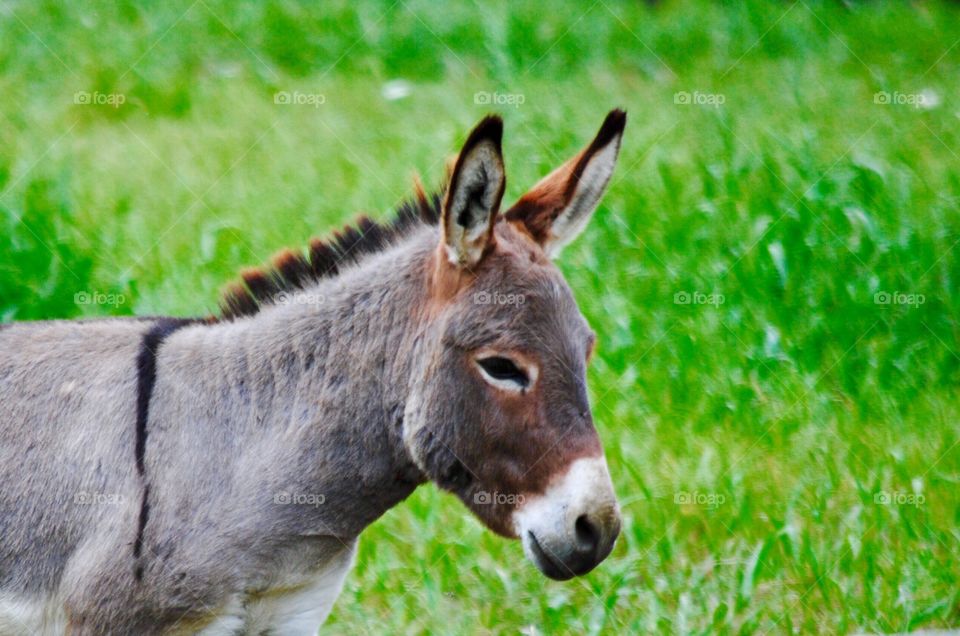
(794, 406)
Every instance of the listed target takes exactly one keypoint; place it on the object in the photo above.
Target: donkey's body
(302, 404)
(181, 476)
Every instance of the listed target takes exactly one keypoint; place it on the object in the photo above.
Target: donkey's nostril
(588, 534)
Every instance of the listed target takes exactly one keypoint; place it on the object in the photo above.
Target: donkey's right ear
(473, 195)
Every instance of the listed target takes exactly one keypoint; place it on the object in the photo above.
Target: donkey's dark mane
(290, 270)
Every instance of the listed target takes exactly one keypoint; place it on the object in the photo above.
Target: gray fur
(303, 399)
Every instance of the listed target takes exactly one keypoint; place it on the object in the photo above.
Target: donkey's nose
(588, 535)
(594, 540)
(584, 554)
(577, 551)
(573, 526)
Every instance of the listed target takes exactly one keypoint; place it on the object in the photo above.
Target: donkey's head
(499, 413)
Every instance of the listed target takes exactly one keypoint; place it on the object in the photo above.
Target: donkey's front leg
(122, 614)
(299, 604)
(105, 594)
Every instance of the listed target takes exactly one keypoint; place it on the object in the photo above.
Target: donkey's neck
(305, 399)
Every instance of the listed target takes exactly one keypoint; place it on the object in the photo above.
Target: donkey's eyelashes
(504, 372)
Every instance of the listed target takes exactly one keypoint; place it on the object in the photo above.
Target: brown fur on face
(472, 438)
(494, 441)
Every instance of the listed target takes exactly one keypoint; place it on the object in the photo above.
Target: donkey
(181, 476)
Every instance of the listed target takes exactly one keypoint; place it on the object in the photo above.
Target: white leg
(303, 611)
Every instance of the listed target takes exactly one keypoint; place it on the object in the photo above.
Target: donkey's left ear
(557, 208)
(473, 196)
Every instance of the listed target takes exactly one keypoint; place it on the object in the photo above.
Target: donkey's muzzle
(562, 564)
(573, 526)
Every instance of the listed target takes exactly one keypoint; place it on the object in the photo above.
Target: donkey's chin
(573, 526)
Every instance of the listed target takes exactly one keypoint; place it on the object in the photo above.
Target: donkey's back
(69, 397)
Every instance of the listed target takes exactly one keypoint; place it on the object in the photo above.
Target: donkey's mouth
(547, 562)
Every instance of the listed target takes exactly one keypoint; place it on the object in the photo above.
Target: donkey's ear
(473, 196)
(557, 209)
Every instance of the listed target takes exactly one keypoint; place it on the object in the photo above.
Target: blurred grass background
(787, 458)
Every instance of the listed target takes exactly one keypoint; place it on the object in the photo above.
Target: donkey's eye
(504, 370)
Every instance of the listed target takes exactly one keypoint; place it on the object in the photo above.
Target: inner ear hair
(473, 197)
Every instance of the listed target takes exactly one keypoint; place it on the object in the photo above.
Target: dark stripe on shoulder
(147, 376)
(141, 524)
(146, 379)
